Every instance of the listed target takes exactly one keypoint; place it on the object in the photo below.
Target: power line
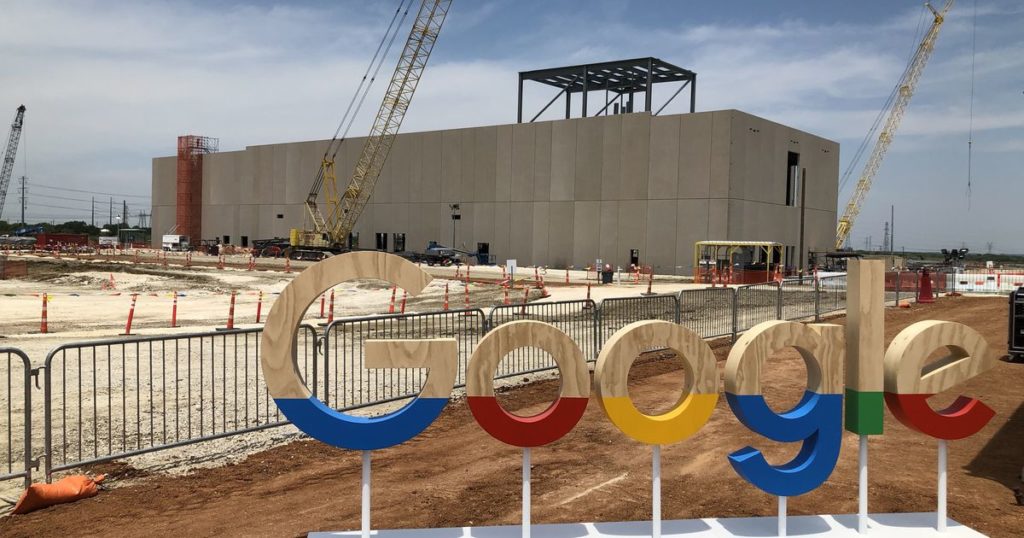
(45, 186)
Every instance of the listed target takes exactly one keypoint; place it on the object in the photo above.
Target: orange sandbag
(65, 490)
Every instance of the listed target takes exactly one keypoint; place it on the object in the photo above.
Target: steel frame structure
(622, 78)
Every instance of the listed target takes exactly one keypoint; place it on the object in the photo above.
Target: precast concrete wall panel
(563, 160)
(560, 234)
(503, 166)
(694, 155)
(611, 158)
(430, 190)
(586, 232)
(635, 149)
(542, 162)
(721, 154)
(632, 230)
(609, 247)
(485, 155)
(662, 228)
(467, 160)
(589, 145)
(523, 151)
(692, 221)
(500, 244)
(451, 166)
(541, 232)
(663, 183)
(520, 233)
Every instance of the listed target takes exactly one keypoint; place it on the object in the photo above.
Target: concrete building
(553, 193)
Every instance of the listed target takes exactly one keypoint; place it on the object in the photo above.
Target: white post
(366, 494)
(656, 491)
(940, 523)
(862, 463)
(526, 493)
(782, 516)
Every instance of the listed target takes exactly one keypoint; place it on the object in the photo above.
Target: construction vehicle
(329, 231)
(12, 149)
(897, 106)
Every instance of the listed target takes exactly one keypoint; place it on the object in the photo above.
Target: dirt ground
(455, 474)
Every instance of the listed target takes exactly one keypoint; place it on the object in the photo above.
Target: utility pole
(92, 207)
(24, 197)
(885, 237)
(124, 211)
(110, 217)
(892, 229)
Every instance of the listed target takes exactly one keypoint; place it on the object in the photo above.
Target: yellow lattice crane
(330, 230)
(902, 94)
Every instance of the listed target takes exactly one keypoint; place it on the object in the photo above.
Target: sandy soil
(455, 474)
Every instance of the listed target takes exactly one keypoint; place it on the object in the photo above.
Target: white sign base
(909, 525)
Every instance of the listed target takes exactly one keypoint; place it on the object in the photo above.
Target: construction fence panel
(831, 294)
(756, 303)
(109, 399)
(708, 311)
(798, 298)
(16, 418)
(348, 384)
(577, 319)
(616, 313)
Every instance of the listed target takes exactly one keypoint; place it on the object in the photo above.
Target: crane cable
(870, 136)
(360, 94)
(363, 82)
(970, 128)
(373, 78)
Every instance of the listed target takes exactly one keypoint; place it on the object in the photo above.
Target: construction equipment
(331, 231)
(12, 149)
(897, 106)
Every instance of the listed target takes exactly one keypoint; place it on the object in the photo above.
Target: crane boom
(12, 150)
(346, 206)
(905, 91)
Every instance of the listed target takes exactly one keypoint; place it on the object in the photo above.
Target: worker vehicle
(177, 243)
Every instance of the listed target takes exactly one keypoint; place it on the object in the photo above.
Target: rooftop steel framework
(619, 80)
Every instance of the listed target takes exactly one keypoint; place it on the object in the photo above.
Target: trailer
(175, 242)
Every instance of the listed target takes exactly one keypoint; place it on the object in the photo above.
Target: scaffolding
(189, 217)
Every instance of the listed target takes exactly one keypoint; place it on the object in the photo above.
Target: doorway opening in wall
(634, 257)
(245, 241)
(353, 240)
(399, 242)
(792, 181)
(382, 241)
(227, 239)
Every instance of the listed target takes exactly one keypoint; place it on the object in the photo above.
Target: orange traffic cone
(924, 293)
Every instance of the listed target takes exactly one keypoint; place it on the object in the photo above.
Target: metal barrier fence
(109, 399)
(756, 303)
(16, 421)
(616, 313)
(114, 398)
(831, 295)
(578, 319)
(349, 384)
(708, 311)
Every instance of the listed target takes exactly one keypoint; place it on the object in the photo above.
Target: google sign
(845, 365)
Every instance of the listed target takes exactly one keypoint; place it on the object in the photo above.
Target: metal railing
(708, 311)
(577, 319)
(616, 313)
(756, 303)
(110, 399)
(348, 384)
(16, 420)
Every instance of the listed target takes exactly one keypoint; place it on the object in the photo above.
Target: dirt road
(455, 474)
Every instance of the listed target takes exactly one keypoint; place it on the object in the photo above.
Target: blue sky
(109, 85)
